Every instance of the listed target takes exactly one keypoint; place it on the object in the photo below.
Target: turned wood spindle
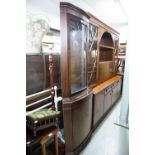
(51, 75)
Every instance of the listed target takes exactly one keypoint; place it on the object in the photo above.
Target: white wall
(48, 8)
(51, 9)
(123, 30)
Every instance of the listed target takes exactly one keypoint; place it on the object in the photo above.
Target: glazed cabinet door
(92, 55)
(78, 31)
(74, 46)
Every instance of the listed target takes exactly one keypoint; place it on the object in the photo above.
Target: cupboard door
(119, 88)
(116, 91)
(98, 107)
(107, 100)
(82, 120)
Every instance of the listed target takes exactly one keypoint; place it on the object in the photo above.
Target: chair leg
(46, 138)
(56, 144)
(43, 149)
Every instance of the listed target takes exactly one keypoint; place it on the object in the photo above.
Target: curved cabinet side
(77, 122)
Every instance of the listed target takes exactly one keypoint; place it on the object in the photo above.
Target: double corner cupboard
(88, 47)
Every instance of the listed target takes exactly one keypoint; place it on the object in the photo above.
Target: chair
(46, 138)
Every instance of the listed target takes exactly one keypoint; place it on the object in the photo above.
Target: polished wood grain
(105, 70)
(105, 96)
(98, 101)
(106, 46)
(74, 10)
(105, 84)
(77, 120)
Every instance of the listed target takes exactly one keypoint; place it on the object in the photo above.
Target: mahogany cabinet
(77, 98)
(89, 86)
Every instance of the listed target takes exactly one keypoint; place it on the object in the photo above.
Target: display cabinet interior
(106, 50)
(106, 56)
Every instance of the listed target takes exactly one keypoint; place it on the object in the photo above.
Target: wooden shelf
(120, 73)
(102, 62)
(106, 46)
(91, 72)
(121, 57)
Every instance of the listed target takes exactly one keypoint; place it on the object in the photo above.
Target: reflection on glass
(78, 39)
(92, 54)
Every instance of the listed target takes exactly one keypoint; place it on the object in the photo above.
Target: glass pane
(92, 54)
(78, 39)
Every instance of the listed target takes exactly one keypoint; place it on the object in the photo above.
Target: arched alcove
(106, 47)
(106, 39)
(106, 56)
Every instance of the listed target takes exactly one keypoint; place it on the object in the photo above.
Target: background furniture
(41, 121)
(37, 145)
(46, 138)
(120, 60)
